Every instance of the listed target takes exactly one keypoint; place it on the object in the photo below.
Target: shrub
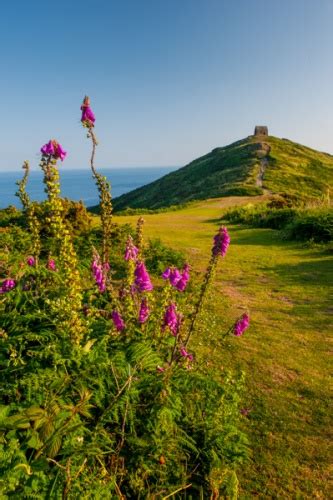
(158, 256)
(316, 225)
(261, 215)
(298, 223)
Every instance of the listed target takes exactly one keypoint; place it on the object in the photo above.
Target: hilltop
(255, 165)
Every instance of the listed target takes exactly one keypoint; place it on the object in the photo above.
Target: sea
(78, 184)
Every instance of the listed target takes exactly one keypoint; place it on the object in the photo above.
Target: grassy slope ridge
(285, 352)
(234, 170)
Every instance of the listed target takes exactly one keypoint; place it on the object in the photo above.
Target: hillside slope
(247, 167)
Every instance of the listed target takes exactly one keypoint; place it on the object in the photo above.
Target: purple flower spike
(177, 279)
(142, 279)
(31, 261)
(166, 274)
(54, 149)
(144, 311)
(241, 325)
(172, 319)
(99, 272)
(87, 116)
(174, 277)
(118, 321)
(185, 276)
(51, 265)
(7, 285)
(131, 252)
(221, 242)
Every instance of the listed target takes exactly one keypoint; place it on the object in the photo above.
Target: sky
(169, 80)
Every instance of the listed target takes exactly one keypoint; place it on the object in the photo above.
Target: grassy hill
(252, 166)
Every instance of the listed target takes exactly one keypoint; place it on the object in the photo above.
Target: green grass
(296, 169)
(292, 169)
(285, 353)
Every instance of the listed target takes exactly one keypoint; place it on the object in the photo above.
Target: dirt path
(262, 168)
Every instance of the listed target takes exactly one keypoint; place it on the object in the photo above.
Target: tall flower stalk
(70, 307)
(22, 184)
(29, 209)
(139, 234)
(103, 186)
(221, 243)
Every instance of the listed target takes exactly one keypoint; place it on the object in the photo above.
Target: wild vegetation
(251, 166)
(104, 394)
(298, 223)
(286, 284)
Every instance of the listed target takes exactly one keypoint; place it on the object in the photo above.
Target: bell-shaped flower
(87, 117)
(142, 278)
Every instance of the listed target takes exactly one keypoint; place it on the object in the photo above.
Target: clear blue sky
(169, 79)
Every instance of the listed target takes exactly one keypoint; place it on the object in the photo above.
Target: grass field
(285, 353)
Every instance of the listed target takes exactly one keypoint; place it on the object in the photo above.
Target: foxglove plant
(29, 209)
(51, 265)
(241, 325)
(71, 306)
(144, 311)
(142, 278)
(22, 184)
(99, 272)
(118, 321)
(7, 285)
(176, 278)
(31, 261)
(131, 252)
(139, 235)
(171, 319)
(221, 244)
(103, 186)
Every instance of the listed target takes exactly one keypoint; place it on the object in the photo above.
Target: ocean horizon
(78, 184)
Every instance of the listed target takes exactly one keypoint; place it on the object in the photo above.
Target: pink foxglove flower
(144, 311)
(99, 272)
(174, 277)
(51, 265)
(118, 321)
(172, 319)
(177, 279)
(54, 149)
(7, 285)
(131, 252)
(221, 242)
(31, 261)
(166, 274)
(241, 325)
(87, 117)
(142, 279)
(185, 276)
